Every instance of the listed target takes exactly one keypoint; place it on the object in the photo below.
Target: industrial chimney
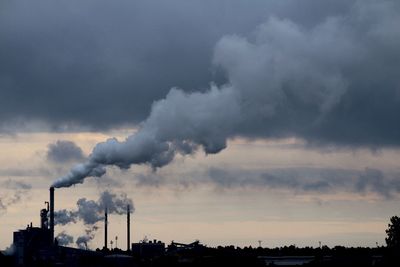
(52, 214)
(105, 228)
(128, 226)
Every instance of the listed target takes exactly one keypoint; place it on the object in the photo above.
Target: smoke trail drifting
(178, 124)
(64, 239)
(287, 80)
(82, 241)
(17, 190)
(91, 212)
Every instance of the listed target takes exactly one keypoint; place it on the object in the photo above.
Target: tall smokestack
(52, 214)
(128, 225)
(105, 228)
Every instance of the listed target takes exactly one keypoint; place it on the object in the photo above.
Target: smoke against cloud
(63, 217)
(319, 84)
(179, 124)
(90, 212)
(349, 44)
(111, 81)
(64, 239)
(64, 151)
(287, 80)
(83, 240)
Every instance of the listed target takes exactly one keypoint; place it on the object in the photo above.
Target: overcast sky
(239, 120)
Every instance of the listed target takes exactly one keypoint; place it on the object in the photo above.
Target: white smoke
(286, 80)
(178, 124)
(90, 212)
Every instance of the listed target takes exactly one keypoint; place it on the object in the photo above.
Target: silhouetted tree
(393, 233)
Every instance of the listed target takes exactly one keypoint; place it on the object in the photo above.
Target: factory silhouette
(38, 246)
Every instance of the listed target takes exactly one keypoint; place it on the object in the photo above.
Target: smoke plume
(162, 136)
(82, 241)
(64, 239)
(287, 80)
(90, 212)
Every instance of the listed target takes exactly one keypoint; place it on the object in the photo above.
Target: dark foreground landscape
(195, 254)
(38, 246)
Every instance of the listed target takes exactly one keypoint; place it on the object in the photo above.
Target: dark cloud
(15, 185)
(64, 151)
(329, 76)
(334, 82)
(297, 179)
(309, 180)
(150, 179)
(101, 64)
(376, 181)
(25, 172)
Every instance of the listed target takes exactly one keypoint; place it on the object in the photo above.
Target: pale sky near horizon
(183, 209)
(223, 121)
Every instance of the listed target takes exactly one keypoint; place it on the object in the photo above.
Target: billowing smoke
(64, 239)
(63, 217)
(287, 80)
(162, 135)
(90, 212)
(82, 241)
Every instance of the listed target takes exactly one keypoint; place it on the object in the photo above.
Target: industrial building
(37, 247)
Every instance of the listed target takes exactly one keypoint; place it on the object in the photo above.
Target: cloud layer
(310, 180)
(320, 76)
(64, 151)
(334, 83)
(328, 84)
(99, 64)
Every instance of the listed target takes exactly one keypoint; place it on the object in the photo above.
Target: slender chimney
(52, 214)
(105, 228)
(128, 222)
